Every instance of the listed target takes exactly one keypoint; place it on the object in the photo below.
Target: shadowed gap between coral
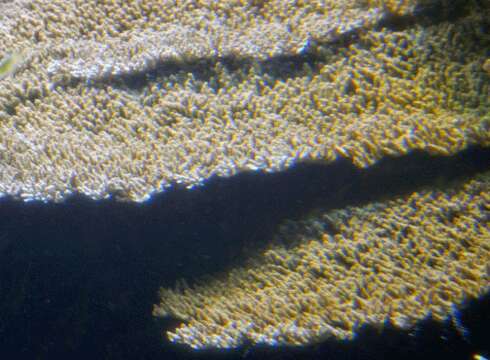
(249, 207)
(212, 225)
(283, 66)
(429, 13)
(279, 67)
(85, 270)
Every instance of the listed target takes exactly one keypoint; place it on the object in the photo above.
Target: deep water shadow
(81, 277)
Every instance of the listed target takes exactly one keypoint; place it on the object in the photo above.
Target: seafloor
(79, 279)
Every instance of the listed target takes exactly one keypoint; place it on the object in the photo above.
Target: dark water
(79, 279)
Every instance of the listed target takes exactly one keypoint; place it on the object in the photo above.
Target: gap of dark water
(80, 278)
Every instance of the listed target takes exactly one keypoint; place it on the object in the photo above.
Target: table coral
(131, 97)
(328, 275)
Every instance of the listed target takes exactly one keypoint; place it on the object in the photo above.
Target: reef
(396, 261)
(128, 98)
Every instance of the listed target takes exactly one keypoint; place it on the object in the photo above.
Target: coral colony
(152, 95)
(132, 97)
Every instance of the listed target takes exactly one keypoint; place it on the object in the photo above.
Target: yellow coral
(327, 284)
(130, 97)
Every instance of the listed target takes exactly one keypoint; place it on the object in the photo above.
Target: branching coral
(130, 97)
(398, 260)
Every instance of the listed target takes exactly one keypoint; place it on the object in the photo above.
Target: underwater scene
(245, 179)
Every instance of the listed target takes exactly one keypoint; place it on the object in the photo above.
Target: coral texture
(130, 97)
(397, 260)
